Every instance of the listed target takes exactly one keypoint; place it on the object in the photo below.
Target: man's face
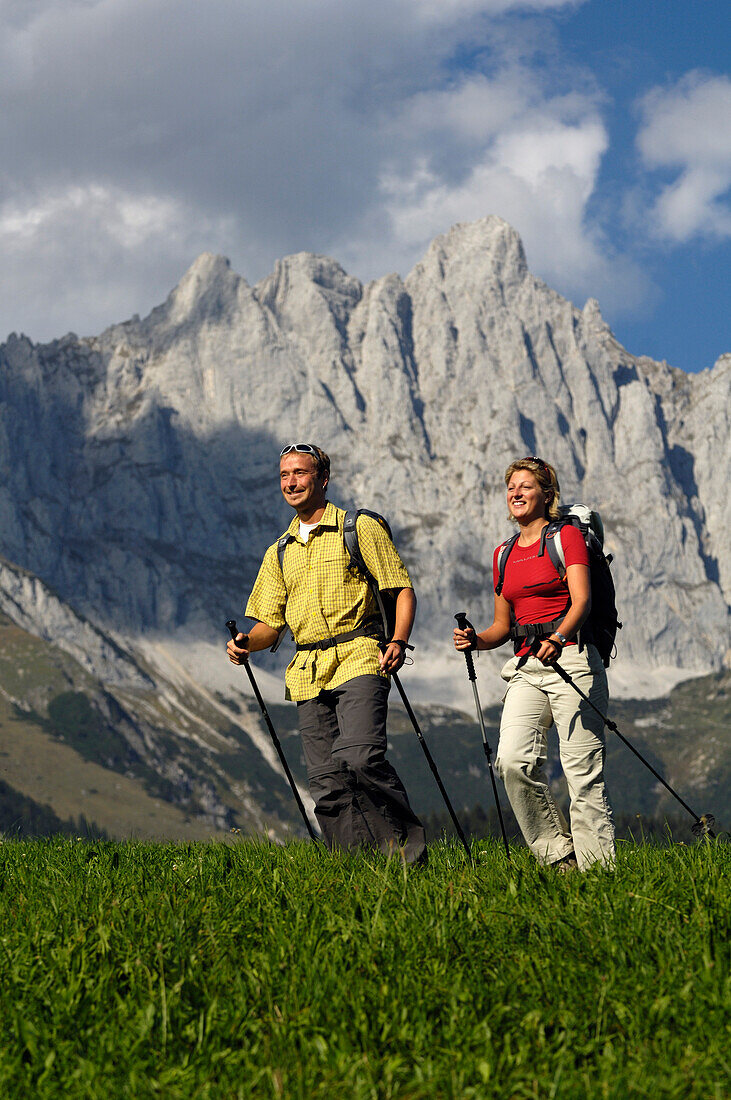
(301, 486)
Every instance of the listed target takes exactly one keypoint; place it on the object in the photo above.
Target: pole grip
(234, 630)
(463, 623)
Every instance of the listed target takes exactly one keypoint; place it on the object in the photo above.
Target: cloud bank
(147, 131)
(686, 129)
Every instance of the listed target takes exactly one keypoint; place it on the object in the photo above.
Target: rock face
(139, 467)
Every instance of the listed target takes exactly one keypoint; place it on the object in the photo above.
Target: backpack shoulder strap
(502, 558)
(282, 544)
(555, 549)
(350, 537)
(357, 563)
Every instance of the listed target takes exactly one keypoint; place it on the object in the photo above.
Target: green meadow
(254, 970)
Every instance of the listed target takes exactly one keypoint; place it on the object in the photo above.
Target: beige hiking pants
(537, 697)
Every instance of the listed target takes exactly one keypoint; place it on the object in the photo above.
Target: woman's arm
(579, 582)
(495, 634)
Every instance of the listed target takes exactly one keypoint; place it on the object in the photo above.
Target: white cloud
(127, 221)
(146, 131)
(441, 10)
(97, 244)
(532, 159)
(687, 128)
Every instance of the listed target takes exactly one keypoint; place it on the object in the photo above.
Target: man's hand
(392, 657)
(238, 651)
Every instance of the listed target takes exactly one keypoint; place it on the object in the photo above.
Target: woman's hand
(464, 639)
(547, 650)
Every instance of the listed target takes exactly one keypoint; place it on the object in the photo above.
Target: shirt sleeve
(574, 546)
(381, 556)
(268, 598)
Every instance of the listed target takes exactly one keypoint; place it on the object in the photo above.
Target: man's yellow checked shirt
(319, 597)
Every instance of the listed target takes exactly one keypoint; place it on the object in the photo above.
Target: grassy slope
(140, 764)
(51, 773)
(257, 971)
(95, 772)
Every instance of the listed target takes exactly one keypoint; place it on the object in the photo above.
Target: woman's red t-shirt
(532, 585)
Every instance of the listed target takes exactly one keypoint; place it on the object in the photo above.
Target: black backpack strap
(536, 630)
(379, 518)
(357, 563)
(350, 537)
(502, 558)
(282, 545)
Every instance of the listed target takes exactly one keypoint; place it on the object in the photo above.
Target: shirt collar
(329, 519)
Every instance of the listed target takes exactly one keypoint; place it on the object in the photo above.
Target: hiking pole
(463, 623)
(703, 825)
(425, 748)
(432, 765)
(231, 624)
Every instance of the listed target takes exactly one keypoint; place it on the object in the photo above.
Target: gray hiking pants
(359, 799)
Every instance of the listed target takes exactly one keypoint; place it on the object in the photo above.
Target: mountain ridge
(153, 493)
(139, 490)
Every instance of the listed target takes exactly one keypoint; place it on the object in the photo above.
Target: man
(339, 675)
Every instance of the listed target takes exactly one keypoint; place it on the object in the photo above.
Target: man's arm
(267, 601)
(259, 637)
(393, 656)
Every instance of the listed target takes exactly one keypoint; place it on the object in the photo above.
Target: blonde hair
(322, 460)
(545, 475)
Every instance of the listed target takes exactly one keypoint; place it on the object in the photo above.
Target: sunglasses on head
(301, 448)
(538, 462)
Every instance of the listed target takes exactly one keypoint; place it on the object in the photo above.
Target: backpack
(602, 624)
(356, 562)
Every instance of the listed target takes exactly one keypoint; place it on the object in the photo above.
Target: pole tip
(704, 825)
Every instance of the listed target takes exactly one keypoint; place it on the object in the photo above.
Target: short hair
(322, 461)
(545, 475)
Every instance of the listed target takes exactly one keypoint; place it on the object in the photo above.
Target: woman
(533, 593)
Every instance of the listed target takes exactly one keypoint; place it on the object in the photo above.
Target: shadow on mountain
(147, 527)
(21, 816)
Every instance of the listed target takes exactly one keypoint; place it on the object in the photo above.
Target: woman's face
(526, 499)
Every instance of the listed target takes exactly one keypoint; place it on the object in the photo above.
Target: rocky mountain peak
(592, 313)
(151, 509)
(304, 282)
(208, 287)
(488, 249)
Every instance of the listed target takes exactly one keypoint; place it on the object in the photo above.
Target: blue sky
(139, 133)
(633, 47)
